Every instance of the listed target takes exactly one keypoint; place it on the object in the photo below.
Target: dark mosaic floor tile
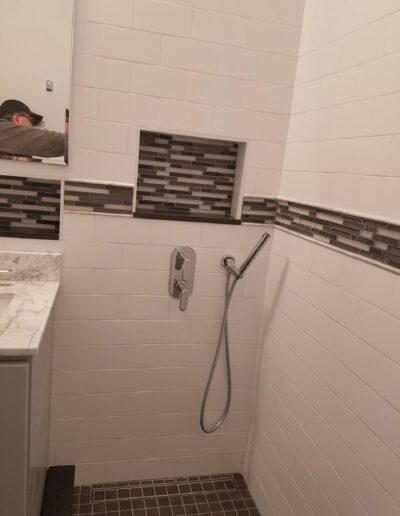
(205, 495)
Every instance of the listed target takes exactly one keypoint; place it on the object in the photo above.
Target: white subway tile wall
(328, 404)
(130, 368)
(326, 433)
(343, 137)
(208, 68)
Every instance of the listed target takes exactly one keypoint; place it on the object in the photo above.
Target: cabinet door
(14, 401)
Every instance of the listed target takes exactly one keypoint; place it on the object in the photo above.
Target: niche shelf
(184, 177)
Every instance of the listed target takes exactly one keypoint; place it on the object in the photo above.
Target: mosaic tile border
(96, 197)
(259, 210)
(363, 236)
(222, 495)
(185, 175)
(29, 207)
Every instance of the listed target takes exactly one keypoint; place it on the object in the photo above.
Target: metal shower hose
(223, 333)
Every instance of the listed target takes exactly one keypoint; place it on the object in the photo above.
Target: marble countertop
(25, 318)
(32, 282)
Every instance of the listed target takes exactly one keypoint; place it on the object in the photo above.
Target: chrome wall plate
(181, 274)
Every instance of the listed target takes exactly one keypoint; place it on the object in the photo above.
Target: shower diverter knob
(183, 295)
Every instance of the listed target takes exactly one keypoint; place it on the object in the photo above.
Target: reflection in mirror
(35, 80)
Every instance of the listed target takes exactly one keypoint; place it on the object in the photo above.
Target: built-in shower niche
(183, 177)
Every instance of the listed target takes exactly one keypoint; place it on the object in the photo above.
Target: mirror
(35, 57)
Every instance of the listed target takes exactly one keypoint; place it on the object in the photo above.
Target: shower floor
(217, 495)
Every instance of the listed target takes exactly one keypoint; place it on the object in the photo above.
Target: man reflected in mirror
(21, 139)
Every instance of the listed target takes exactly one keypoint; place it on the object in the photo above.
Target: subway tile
(121, 230)
(117, 282)
(130, 45)
(101, 72)
(76, 281)
(80, 451)
(71, 333)
(142, 257)
(115, 167)
(88, 307)
(380, 330)
(175, 233)
(179, 445)
(100, 11)
(199, 308)
(393, 166)
(117, 332)
(266, 97)
(104, 136)
(67, 430)
(365, 44)
(255, 65)
(158, 81)
(211, 89)
(184, 116)
(110, 471)
(92, 255)
(274, 38)
(286, 12)
(162, 18)
(385, 115)
(89, 101)
(211, 237)
(151, 468)
(197, 56)
(68, 382)
(143, 307)
(238, 123)
(127, 108)
(275, 127)
(392, 42)
(265, 154)
(219, 28)
(387, 381)
(130, 403)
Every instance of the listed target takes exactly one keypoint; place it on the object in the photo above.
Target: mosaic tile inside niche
(29, 207)
(366, 237)
(98, 197)
(205, 495)
(185, 175)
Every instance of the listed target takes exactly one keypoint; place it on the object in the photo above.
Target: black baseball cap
(9, 107)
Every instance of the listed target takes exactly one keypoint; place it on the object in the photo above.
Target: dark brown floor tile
(205, 495)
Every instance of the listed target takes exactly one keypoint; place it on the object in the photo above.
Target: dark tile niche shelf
(188, 218)
(185, 176)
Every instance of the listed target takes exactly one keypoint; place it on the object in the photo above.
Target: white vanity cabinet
(24, 429)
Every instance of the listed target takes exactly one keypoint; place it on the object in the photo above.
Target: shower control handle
(183, 263)
(181, 275)
(183, 295)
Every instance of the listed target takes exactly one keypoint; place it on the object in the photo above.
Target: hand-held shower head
(253, 254)
(228, 261)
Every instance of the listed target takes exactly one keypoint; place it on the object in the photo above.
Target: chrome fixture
(181, 275)
(228, 262)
